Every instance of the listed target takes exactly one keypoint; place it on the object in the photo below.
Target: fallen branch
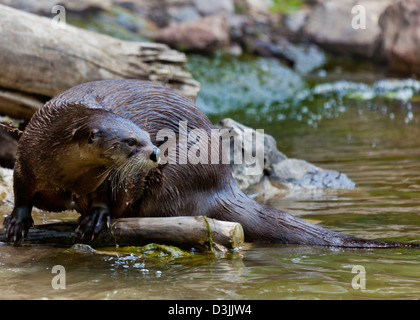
(38, 61)
(9, 127)
(201, 233)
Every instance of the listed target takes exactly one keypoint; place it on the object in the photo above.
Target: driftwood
(39, 60)
(200, 233)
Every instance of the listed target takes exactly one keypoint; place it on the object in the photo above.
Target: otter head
(117, 143)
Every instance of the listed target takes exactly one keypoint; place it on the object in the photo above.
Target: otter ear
(92, 134)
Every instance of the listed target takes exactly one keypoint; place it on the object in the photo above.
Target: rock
(304, 174)
(249, 183)
(246, 29)
(81, 248)
(258, 5)
(44, 7)
(201, 35)
(276, 172)
(6, 190)
(295, 21)
(209, 8)
(304, 58)
(400, 25)
(330, 26)
(271, 154)
(182, 13)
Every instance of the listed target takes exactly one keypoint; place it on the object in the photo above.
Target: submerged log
(39, 60)
(200, 233)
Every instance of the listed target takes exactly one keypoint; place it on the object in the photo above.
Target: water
(338, 119)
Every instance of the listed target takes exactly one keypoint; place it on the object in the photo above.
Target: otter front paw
(18, 224)
(91, 224)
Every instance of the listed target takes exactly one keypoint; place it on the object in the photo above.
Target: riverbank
(382, 31)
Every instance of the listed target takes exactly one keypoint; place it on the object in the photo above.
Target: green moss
(118, 22)
(209, 238)
(285, 6)
(151, 250)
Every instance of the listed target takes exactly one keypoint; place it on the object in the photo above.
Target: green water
(342, 118)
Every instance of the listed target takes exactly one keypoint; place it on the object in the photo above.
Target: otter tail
(291, 229)
(262, 223)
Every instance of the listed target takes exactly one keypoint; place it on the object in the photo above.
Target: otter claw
(91, 224)
(17, 227)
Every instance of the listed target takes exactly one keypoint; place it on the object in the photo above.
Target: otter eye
(130, 142)
(91, 137)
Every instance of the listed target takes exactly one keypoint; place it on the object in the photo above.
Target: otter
(65, 155)
(47, 160)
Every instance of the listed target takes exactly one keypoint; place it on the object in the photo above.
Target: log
(19, 105)
(201, 233)
(195, 232)
(38, 61)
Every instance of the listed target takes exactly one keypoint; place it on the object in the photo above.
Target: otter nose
(155, 155)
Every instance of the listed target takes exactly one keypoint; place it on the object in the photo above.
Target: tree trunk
(38, 61)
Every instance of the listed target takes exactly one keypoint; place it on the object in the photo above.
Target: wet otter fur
(166, 190)
(69, 157)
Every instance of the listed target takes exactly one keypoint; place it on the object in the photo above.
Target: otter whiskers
(122, 173)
